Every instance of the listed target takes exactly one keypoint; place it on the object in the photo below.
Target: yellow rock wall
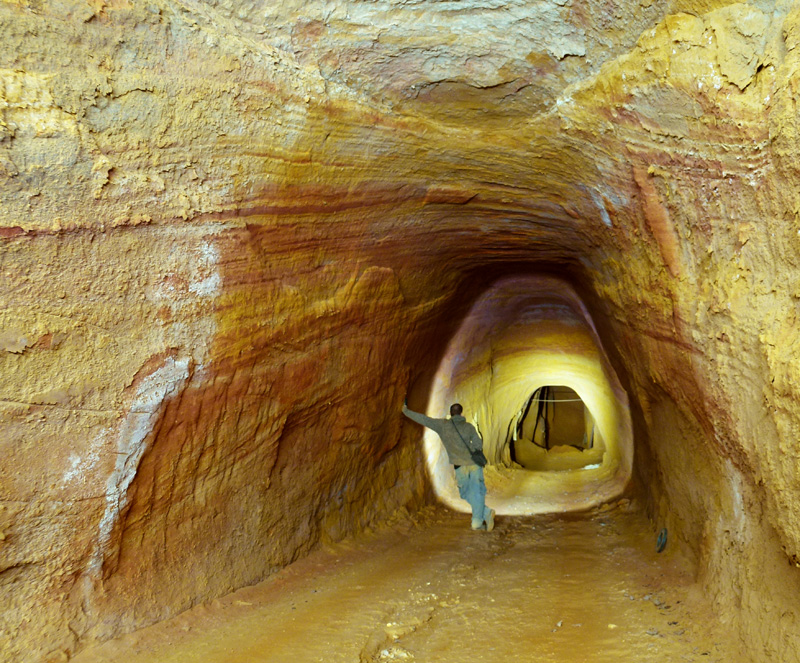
(233, 234)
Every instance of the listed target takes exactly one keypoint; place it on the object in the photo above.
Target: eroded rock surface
(234, 235)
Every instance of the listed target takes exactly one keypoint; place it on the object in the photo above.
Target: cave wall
(186, 348)
(234, 234)
(715, 314)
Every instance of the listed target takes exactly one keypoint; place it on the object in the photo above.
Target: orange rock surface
(233, 236)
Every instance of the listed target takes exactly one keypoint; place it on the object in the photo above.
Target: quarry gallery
(236, 235)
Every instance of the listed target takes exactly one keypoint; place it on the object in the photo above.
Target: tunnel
(522, 335)
(555, 417)
(236, 235)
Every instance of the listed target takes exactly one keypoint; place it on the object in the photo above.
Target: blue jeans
(472, 488)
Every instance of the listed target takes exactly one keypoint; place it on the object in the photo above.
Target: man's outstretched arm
(428, 422)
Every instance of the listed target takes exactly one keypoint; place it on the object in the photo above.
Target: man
(459, 438)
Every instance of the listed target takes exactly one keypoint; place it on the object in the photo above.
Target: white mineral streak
(80, 467)
(208, 286)
(188, 292)
(598, 200)
(736, 486)
(132, 443)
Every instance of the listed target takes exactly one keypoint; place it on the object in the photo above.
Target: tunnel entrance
(556, 416)
(528, 340)
(555, 431)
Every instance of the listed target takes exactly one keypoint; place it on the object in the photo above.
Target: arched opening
(555, 432)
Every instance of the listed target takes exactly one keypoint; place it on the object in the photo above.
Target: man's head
(455, 409)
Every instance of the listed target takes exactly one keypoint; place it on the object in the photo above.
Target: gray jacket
(446, 430)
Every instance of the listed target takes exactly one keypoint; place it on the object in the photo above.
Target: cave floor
(582, 588)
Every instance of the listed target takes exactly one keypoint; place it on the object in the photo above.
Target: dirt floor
(580, 589)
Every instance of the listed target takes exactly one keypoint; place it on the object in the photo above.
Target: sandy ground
(581, 589)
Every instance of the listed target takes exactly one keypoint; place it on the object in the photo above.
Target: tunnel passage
(554, 424)
(522, 334)
(261, 210)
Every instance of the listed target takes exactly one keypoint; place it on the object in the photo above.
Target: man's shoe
(477, 525)
(490, 521)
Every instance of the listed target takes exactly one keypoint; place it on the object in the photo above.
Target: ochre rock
(236, 235)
